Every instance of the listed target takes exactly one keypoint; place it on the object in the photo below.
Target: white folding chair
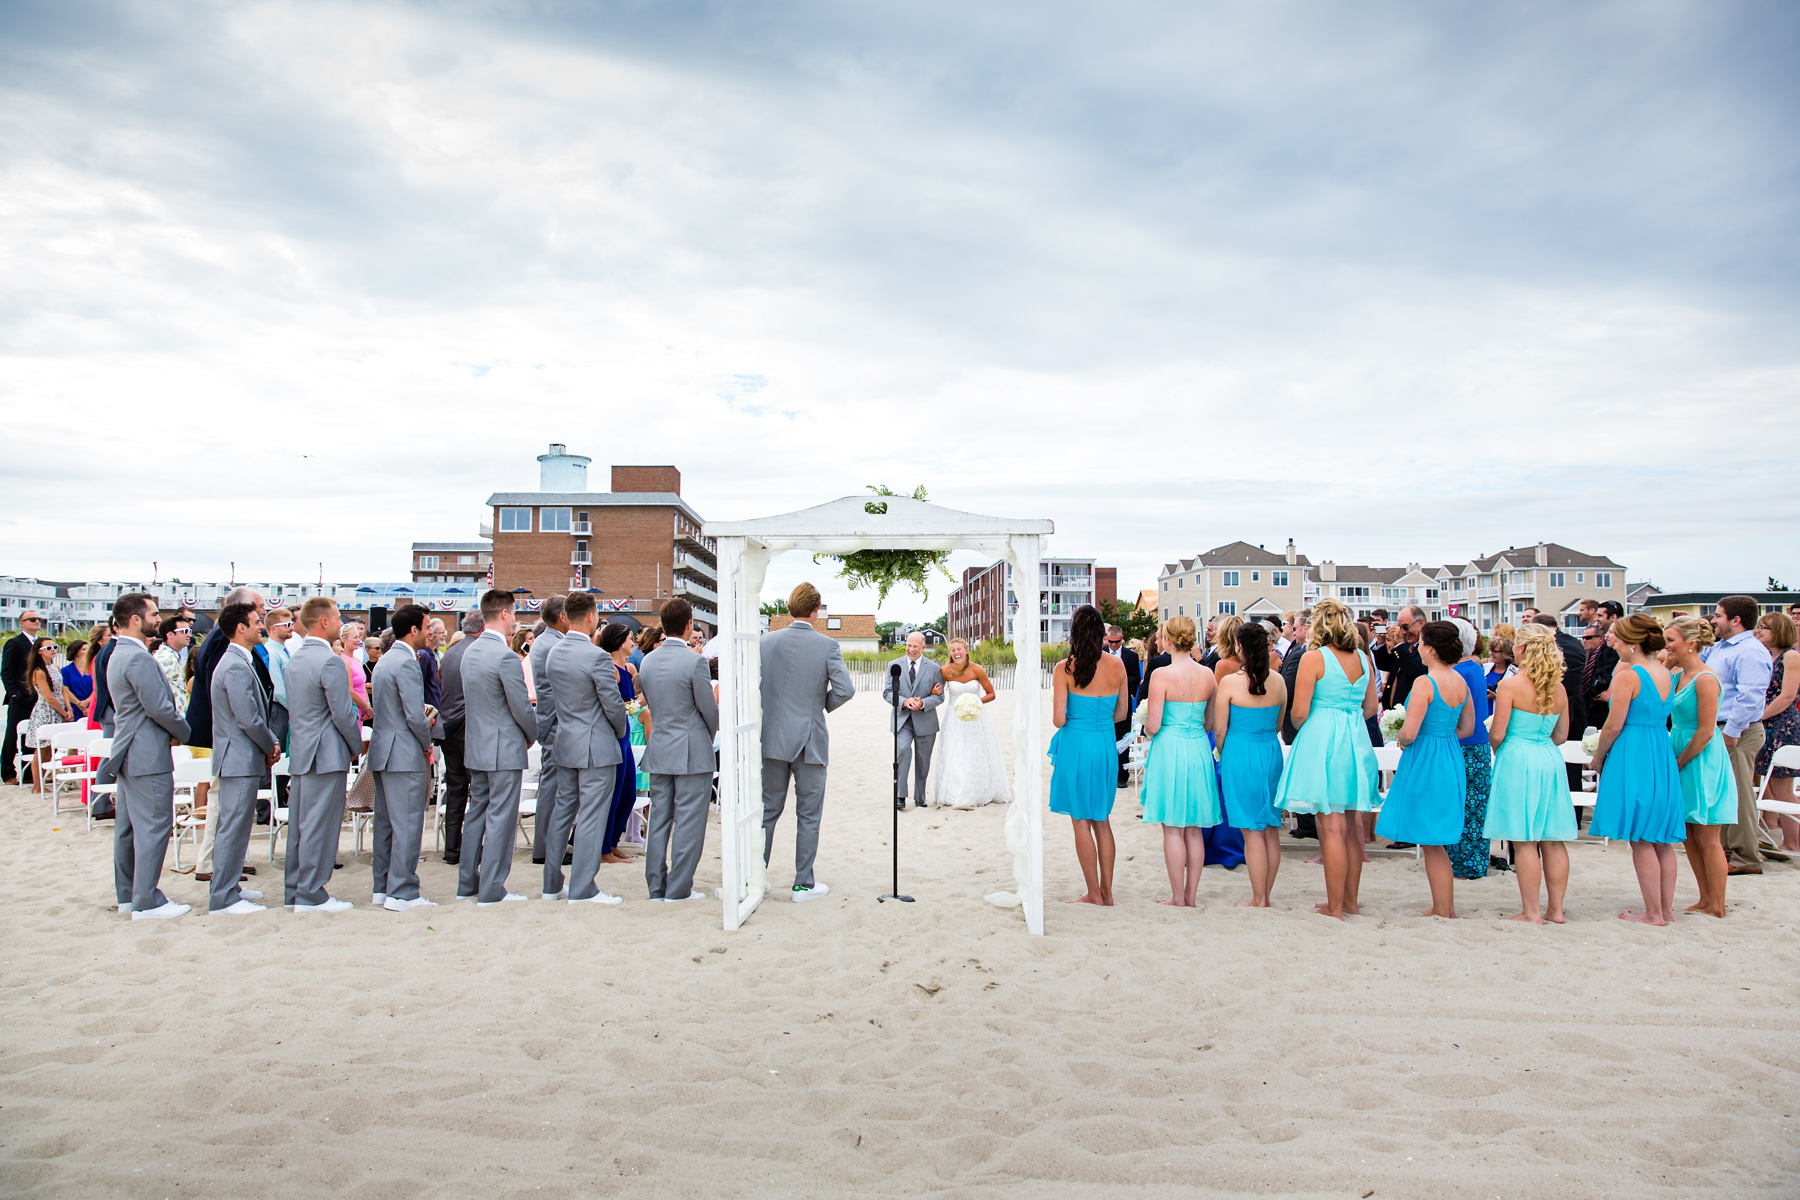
(1787, 757)
(1387, 761)
(100, 748)
(70, 739)
(528, 788)
(278, 812)
(190, 773)
(23, 754)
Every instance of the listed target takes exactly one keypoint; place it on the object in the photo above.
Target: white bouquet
(967, 707)
(633, 707)
(1590, 741)
(1392, 722)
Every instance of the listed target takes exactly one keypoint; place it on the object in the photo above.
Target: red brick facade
(646, 479)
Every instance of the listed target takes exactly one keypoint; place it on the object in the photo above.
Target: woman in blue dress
(1426, 802)
(77, 680)
(1708, 789)
(1089, 696)
(615, 639)
(1530, 805)
(1181, 791)
(1330, 770)
(1639, 798)
(1246, 713)
(1470, 856)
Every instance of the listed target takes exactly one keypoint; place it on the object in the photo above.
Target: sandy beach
(850, 1048)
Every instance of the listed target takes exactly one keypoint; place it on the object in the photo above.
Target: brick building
(451, 562)
(635, 546)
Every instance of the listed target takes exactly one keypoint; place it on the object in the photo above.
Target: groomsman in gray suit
(921, 691)
(145, 725)
(324, 742)
(555, 801)
(400, 756)
(498, 729)
(803, 678)
(590, 720)
(244, 748)
(678, 757)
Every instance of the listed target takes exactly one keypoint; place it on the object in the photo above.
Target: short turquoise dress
(1529, 799)
(1708, 789)
(1331, 766)
(1250, 768)
(1085, 759)
(1425, 803)
(1180, 788)
(1639, 799)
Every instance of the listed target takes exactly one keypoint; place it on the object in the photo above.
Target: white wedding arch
(842, 527)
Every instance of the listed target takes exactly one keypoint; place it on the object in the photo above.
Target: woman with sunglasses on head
(43, 684)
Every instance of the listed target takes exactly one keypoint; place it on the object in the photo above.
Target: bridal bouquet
(967, 708)
(1590, 741)
(633, 707)
(1392, 721)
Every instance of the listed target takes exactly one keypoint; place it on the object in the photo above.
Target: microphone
(894, 671)
(894, 678)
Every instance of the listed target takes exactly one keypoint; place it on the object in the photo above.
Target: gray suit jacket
(803, 678)
(927, 677)
(542, 683)
(144, 716)
(498, 724)
(402, 736)
(684, 716)
(324, 732)
(241, 739)
(450, 712)
(590, 710)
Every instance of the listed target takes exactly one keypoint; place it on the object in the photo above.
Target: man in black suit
(452, 715)
(1574, 687)
(1115, 646)
(1601, 661)
(1398, 656)
(19, 698)
(1159, 658)
(1305, 825)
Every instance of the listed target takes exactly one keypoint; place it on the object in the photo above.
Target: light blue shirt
(278, 658)
(1743, 667)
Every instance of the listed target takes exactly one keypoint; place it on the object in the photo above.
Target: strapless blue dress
(1250, 768)
(1425, 804)
(1085, 760)
(1639, 799)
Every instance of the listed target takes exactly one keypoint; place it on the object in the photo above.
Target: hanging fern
(885, 569)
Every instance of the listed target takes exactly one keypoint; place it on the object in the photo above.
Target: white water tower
(560, 471)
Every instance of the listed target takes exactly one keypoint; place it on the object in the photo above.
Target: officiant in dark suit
(1134, 670)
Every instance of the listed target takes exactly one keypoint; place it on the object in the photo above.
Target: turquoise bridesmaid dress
(1639, 799)
(1331, 766)
(1529, 800)
(1085, 757)
(1180, 788)
(1250, 768)
(1708, 789)
(1425, 803)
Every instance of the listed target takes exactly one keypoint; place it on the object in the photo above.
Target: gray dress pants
(550, 787)
(490, 833)
(809, 804)
(593, 788)
(399, 832)
(236, 798)
(915, 748)
(315, 818)
(146, 808)
(556, 820)
(676, 834)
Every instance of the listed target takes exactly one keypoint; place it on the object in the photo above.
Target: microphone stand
(894, 685)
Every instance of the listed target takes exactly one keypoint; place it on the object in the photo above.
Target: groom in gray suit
(400, 756)
(498, 729)
(144, 727)
(244, 748)
(921, 691)
(803, 678)
(678, 757)
(324, 742)
(589, 723)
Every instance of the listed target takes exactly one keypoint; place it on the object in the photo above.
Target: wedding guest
(679, 757)
(1159, 658)
(1229, 659)
(1305, 823)
(1469, 857)
(1529, 804)
(1397, 655)
(171, 657)
(1180, 791)
(1115, 646)
(616, 641)
(1089, 697)
(19, 699)
(47, 708)
(1744, 669)
(452, 714)
(351, 641)
(498, 730)
(588, 739)
(1574, 681)
(1245, 713)
(1708, 792)
(146, 722)
(1500, 664)
(1427, 802)
(1781, 722)
(1639, 800)
(521, 646)
(428, 661)
(78, 681)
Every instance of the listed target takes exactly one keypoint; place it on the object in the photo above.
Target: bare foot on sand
(1090, 898)
(1555, 918)
(1527, 920)
(1251, 904)
(1432, 912)
(1640, 919)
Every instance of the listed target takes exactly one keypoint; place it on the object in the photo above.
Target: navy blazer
(199, 709)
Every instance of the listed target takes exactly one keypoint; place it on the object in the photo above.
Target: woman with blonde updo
(1330, 770)
(1226, 640)
(1639, 799)
(1708, 789)
(1528, 802)
(1180, 791)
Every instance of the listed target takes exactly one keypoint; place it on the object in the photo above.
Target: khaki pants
(1741, 839)
(203, 861)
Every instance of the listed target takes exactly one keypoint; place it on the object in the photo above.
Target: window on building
(1181, 610)
(1350, 592)
(1431, 593)
(834, 622)
(1518, 607)
(1181, 583)
(1229, 578)
(553, 520)
(464, 559)
(1518, 579)
(1602, 579)
(1256, 577)
(1581, 577)
(1165, 585)
(515, 520)
(1165, 615)
(428, 562)
(1227, 608)
(1278, 578)
(1557, 579)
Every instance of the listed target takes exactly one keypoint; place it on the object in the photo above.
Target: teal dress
(1250, 768)
(1085, 760)
(1180, 788)
(1331, 766)
(1529, 800)
(1639, 799)
(1708, 789)
(1425, 803)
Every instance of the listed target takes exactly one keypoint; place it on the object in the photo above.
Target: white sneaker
(802, 895)
(396, 904)
(125, 908)
(378, 899)
(562, 895)
(694, 895)
(249, 893)
(599, 898)
(330, 905)
(242, 908)
(167, 912)
(510, 896)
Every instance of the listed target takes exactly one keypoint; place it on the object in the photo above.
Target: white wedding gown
(969, 770)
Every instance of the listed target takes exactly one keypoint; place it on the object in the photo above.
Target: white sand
(847, 1047)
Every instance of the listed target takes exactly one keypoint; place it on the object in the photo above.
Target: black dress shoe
(1400, 845)
(918, 804)
(451, 860)
(899, 806)
(538, 862)
(337, 866)
(249, 870)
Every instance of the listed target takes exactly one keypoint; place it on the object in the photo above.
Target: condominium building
(1549, 577)
(1365, 589)
(1234, 578)
(985, 606)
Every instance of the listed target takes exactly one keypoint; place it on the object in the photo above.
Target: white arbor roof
(880, 522)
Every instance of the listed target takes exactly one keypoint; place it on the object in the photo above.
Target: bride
(970, 771)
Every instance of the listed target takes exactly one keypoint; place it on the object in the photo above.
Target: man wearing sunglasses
(1398, 656)
(19, 698)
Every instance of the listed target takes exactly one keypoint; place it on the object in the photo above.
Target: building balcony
(690, 539)
(687, 587)
(581, 558)
(698, 567)
(582, 528)
(577, 584)
(1487, 593)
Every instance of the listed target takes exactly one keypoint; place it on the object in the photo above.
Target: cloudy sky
(287, 283)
